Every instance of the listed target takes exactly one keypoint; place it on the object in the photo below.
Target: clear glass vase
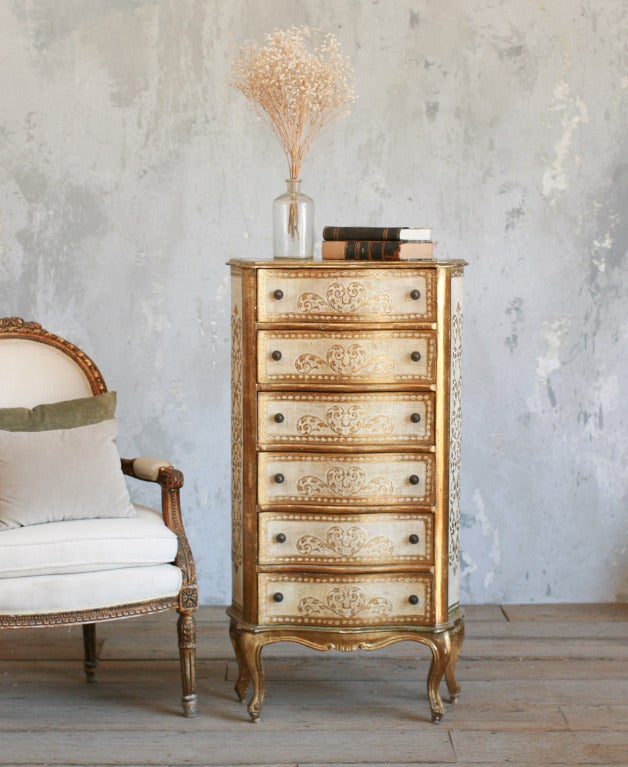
(293, 223)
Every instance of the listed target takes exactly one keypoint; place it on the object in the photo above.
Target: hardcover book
(376, 250)
(396, 233)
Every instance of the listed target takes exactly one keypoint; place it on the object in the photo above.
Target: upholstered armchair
(74, 549)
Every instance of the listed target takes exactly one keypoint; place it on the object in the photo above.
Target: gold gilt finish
(346, 414)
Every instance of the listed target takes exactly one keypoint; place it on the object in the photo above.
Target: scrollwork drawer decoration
(325, 600)
(381, 479)
(346, 420)
(345, 539)
(355, 295)
(332, 358)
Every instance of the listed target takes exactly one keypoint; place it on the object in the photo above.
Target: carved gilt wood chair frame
(170, 480)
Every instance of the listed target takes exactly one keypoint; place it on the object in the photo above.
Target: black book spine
(361, 233)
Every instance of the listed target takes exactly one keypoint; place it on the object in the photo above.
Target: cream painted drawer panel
(346, 357)
(326, 600)
(351, 296)
(375, 479)
(312, 419)
(345, 539)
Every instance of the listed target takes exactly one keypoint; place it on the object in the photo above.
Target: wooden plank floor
(542, 685)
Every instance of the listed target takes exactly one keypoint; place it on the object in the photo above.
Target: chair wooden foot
(89, 648)
(186, 629)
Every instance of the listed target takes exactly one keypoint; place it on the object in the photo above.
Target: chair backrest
(38, 367)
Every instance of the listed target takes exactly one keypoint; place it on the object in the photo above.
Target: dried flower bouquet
(297, 81)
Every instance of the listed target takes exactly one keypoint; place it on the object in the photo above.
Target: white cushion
(81, 546)
(50, 476)
(87, 591)
(32, 373)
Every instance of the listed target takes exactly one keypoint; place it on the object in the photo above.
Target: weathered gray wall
(130, 173)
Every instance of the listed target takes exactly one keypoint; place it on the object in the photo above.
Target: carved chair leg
(186, 629)
(89, 648)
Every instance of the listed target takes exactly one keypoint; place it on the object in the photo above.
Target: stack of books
(374, 243)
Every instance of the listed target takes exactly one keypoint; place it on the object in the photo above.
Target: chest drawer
(358, 295)
(376, 479)
(319, 420)
(359, 357)
(345, 539)
(326, 600)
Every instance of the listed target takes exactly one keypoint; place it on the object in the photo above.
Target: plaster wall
(130, 173)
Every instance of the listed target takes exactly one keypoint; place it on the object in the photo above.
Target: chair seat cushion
(76, 592)
(80, 546)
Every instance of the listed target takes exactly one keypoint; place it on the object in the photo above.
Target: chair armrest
(153, 470)
(170, 480)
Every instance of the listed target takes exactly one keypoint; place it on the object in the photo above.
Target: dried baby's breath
(297, 81)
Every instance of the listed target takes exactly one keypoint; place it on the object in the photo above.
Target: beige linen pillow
(61, 473)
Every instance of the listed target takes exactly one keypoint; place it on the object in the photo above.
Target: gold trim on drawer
(349, 296)
(345, 419)
(373, 479)
(346, 357)
(345, 539)
(363, 600)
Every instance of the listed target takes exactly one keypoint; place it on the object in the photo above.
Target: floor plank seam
(545, 698)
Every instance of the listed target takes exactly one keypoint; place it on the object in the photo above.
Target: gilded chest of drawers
(345, 460)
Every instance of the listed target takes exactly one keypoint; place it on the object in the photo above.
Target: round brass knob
(278, 294)
(413, 599)
(415, 356)
(413, 479)
(279, 478)
(279, 418)
(276, 355)
(280, 538)
(414, 538)
(415, 294)
(278, 596)
(415, 417)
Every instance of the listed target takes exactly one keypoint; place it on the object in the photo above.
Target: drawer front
(325, 600)
(374, 479)
(318, 420)
(356, 295)
(328, 358)
(345, 539)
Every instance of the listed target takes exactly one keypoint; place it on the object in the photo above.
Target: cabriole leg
(242, 685)
(251, 647)
(437, 669)
(457, 637)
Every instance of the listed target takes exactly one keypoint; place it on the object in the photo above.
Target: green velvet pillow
(59, 415)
